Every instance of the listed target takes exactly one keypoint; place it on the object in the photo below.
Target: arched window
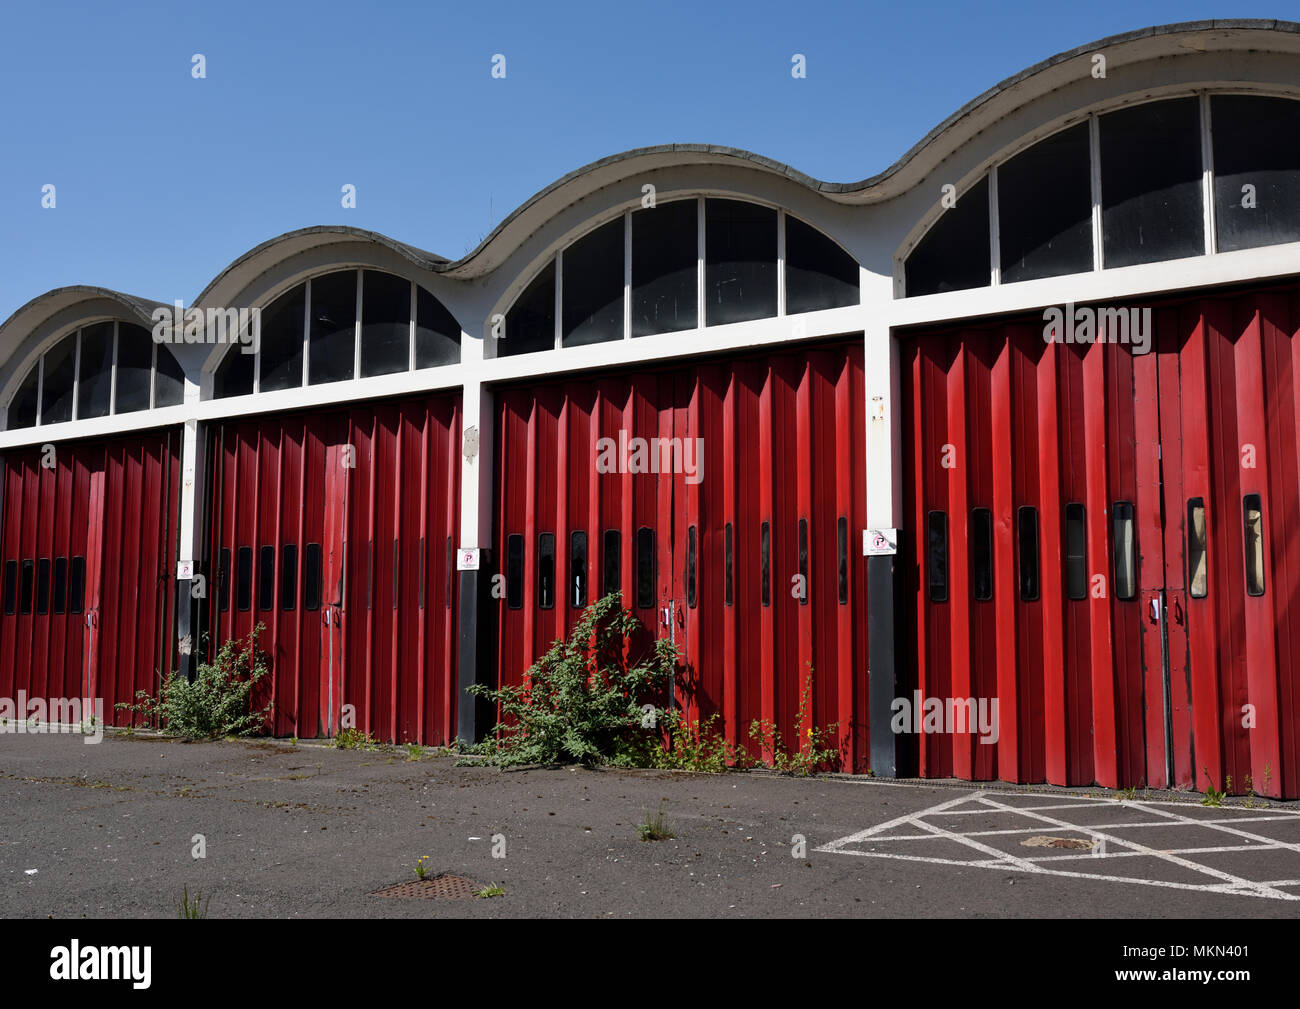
(101, 369)
(1123, 188)
(338, 326)
(642, 274)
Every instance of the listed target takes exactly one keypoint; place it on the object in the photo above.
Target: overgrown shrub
(582, 702)
(219, 700)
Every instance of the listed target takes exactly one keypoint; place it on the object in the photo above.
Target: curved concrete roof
(1143, 45)
(49, 304)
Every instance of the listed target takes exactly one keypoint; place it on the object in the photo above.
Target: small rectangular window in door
(1252, 508)
(728, 576)
(288, 576)
(1076, 560)
(645, 568)
(842, 544)
(244, 579)
(765, 561)
(936, 564)
(26, 594)
(1027, 528)
(60, 584)
(11, 587)
(266, 577)
(546, 571)
(223, 579)
(77, 585)
(981, 553)
(611, 560)
(515, 571)
(311, 577)
(1198, 582)
(690, 567)
(1124, 548)
(578, 568)
(803, 562)
(43, 585)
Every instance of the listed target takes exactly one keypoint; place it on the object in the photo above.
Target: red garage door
(1105, 542)
(89, 545)
(335, 531)
(725, 500)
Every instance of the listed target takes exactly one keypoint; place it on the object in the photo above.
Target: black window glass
(1198, 581)
(665, 268)
(96, 378)
(954, 254)
(803, 562)
(592, 291)
(134, 368)
(1256, 170)
(611, 561)
(936, 537)
(22, 409)
(333, 311)
(60, 368)
(1124, 549)
(728, 549)
(437, 333)
(223, 579)
(385, 324)
(765, 562)
(370, 573)
(690, 567)
(59, 602)
(288, 576)
(1076, 561)
(11, 587)
(43, 585)
(397, 571)
(546, 570)
(1151, 199)
(981, 553)
(1252, 513)
(311, 577)
(77, 585)
(281, 341)
(818, 273)
(645, 568)
(842, 545)
(1027, 528)
(244, 580)
(26, 592)
(578, 568)
(530, 323)
(1045, 208)
(169, 379)
(515, 571)
(739, 261)
(266, 578)
(234, 375)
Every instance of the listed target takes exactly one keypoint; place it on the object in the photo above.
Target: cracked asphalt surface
(311, 831)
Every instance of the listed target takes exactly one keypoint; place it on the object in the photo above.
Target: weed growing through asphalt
(491, 891)
(421, 870)
(195, 907)
(654, 828)
(355, 739)
(414, 751)
(1213, 797)
(815, 751)
(217, 703)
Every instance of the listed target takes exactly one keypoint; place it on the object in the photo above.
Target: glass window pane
(1198, 580)
(690, 567)
(169, 379)
(223, 579)
(765, 562)
(289, 576)
(234, 375)
(60, 584)
(1125, 551)
(134, 368)
(22, 408)
(954, 254)
(96, 378)
(592, 292)
(385, 324)
(244, 580)
(437, 333)
(1045, 208)
(77, 585)
(1076, 561)
(1253, 518)
(546, 571)
(612, 563)
(1027, 527)
(311, 577)
(60, 370)
(665, 268)
(530, 323)
(1256, 145)
(739, 261)
(333, 327)
(803, 562)
(11, 587)
(25, 594)
(515, 571)
(645, 568)
(842, 537)
(578, 568)
(1151, 205)
(280, 346)
(981, 553)
(818, 273)
(937, 556)
(43, 585)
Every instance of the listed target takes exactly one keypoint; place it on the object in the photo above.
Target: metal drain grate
(441, 887)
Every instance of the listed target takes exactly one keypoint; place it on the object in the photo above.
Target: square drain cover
(441, 887)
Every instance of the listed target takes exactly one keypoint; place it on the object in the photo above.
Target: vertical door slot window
(690, 567)
(60, 584)
(803, 562)
(515, 571)
(266, 578)
(578, 567)
(244, 590)
(1252, 508)
(43, 585)
(981, 553)
(1076, 560)
(1027, 528)
(77, 585)
(728, 575)
(546, 571)
(311, 577)
(11, 587)
(26, 605)
(223, 580)
(645, 568)
(1125, 551)
(765, 561)
(936, 526)
(842, 544)
(611, 574)
(289, 576)
(1198, 581)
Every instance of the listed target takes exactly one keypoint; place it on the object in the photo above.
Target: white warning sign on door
(876, 542)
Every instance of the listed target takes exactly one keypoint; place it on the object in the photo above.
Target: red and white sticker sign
(467, 559)
(876, 542)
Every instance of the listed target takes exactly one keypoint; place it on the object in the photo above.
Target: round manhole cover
(1043, 841)
(441, 887)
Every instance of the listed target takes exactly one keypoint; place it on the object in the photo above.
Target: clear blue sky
(162, 179)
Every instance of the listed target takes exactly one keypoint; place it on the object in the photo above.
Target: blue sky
(162, 179)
